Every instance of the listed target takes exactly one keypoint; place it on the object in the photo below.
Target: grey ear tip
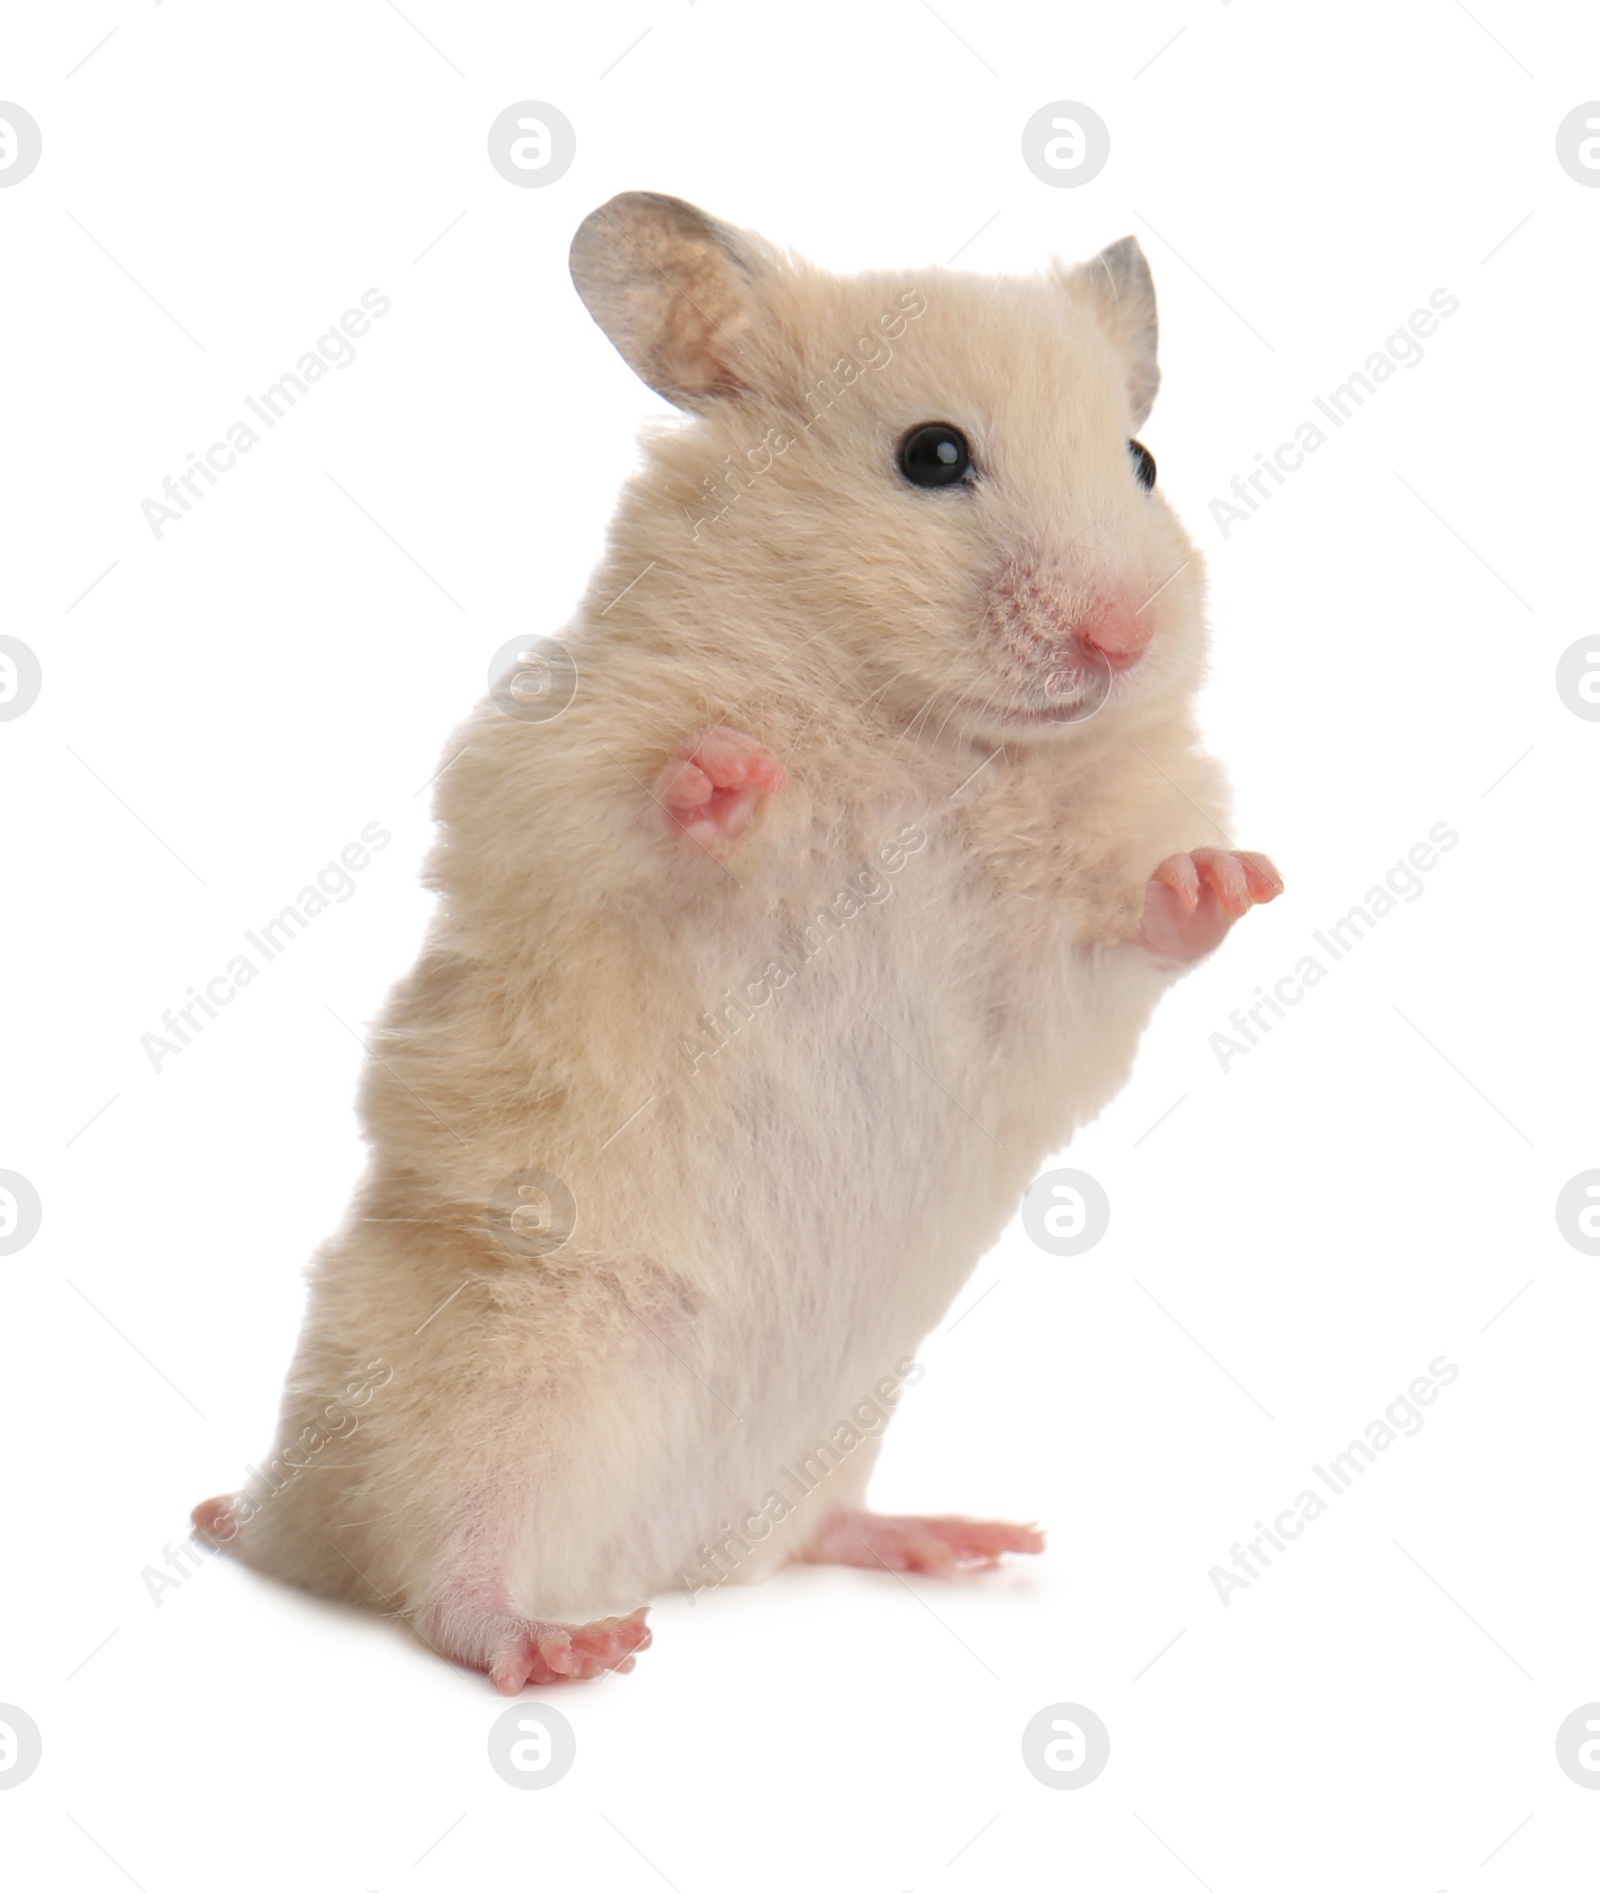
(580, 252)
(657, 206)
(1125, 259)
(623, 198)
(606, 216)
(611, 220)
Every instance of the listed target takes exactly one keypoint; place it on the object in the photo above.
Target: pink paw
(712, 789)
(1193, 899)
(542, 1653)
(937, 1546)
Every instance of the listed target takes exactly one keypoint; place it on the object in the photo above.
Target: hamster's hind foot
(713, 788)
(518, 1651)
(937, 1546)
(542, 1653)
(214, 1520)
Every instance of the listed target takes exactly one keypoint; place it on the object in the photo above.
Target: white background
(1365, 1191)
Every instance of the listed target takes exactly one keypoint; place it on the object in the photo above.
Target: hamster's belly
(877, 1099)
(863, 1133)
(844, 1149)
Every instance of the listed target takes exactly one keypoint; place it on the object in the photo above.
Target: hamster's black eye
(1144, 464)
(935, 454)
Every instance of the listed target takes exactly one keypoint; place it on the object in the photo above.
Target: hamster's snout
(1116, 631)
(1060, 633)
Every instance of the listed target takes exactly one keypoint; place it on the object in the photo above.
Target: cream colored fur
(778, 1226)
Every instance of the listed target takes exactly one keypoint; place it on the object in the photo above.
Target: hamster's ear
(1119, 281)
(673, 288)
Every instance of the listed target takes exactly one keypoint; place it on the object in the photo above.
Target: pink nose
(1116, 630)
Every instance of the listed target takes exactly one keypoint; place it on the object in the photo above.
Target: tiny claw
(1193, 899)
(1262, 878)
(555, 1646)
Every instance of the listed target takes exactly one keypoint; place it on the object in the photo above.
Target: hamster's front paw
(713, 787)
(1193, 899)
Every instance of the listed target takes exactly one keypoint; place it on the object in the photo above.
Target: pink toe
(684, 785)
(1179, 873)
(1263, 879)
(713, 789)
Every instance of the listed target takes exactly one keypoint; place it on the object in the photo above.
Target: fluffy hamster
(765, 974)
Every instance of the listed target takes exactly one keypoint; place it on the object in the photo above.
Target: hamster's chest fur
(886, 1055)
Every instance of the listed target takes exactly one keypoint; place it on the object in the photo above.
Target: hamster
(768, 969)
